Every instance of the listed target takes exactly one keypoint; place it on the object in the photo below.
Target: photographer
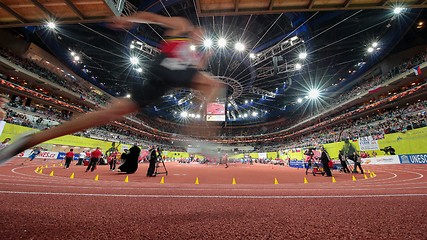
(325, 159)
(153, 159)
(357, 163)
(389, 150)
(310, 154)
(343, 161)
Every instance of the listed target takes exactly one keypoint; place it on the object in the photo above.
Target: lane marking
(216, 196)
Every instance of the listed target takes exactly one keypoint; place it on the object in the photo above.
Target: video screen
(215, 112)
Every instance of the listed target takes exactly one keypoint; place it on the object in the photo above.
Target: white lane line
(215, 196)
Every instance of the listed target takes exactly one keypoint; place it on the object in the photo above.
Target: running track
(391, 205)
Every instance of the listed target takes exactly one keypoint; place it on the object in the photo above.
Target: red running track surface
(391, 205)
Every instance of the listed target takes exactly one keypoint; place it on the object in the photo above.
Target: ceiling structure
(240, 7)
(270, 84)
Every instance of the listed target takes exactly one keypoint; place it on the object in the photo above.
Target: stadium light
(222, 42)
(251, 55)
(134, 60)
(51, 25)
(374, 44)
(370, 49)
(299, 100)
(139, 70)
(398, 10)
(128, 95)
(302, 55)
(313, 94)
(254, 114)
(193, 47)
(76, 58)
(298, 66)
(207, 43)
(239, 47)
(184, 114)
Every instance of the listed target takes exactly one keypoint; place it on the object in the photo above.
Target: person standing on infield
(94, 158)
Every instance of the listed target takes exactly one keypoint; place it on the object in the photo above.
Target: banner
(368, 143)
(43, 154)
(389, 159)
(262, 155)
(413, 159)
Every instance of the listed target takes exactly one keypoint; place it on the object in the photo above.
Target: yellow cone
(197, 181)
(46, 166)
(234, 181)
(364, 175)
(305, 180)
(373, 174)
(72, 175)
(37, 170)
(369, 171)
(60, 164)
(333, 180)
(353, 178)
(370, 175)
(127, 179)
(41, 171)
(275, 181)
(96, 177)
(162, 181)
(51, 174)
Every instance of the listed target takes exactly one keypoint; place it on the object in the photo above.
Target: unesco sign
(413, 158)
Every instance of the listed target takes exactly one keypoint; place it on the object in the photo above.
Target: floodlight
(370, 49)
(139, 70)
(51, 25)
(207, 43)
(374, 44)
(302, 55)
(254, 114)
(298, 66)
(299, 100)
(251, 55)
(193, 47)
(184, 114)
(76, 58)
(313, 94)
(239, 46)
(398, 10)
(128, 95)
(134, 60)
(222, 42)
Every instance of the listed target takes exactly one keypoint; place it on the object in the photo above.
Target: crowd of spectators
(73, 85)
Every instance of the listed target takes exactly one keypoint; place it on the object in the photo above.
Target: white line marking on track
(216, 196)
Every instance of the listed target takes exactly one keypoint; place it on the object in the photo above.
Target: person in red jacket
(68, 158)
(94, 158)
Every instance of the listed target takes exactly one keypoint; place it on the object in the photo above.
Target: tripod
(160, 163)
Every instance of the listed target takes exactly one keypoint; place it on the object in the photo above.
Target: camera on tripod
(389, 150)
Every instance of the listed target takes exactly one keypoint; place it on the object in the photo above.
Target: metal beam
(75, 9)
(383, 3)
(270, 5)
(304, 9)
(236, 5)
(41, 7)
(311, 4)
(16, 15)
(63, 21)
(347, 3)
